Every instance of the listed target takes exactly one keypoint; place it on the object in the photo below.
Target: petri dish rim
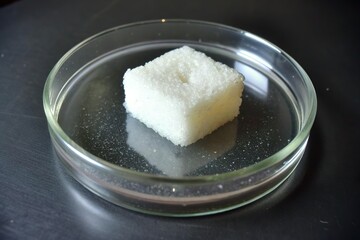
(305, 127)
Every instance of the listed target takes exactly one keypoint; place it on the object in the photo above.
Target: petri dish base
(121, 160)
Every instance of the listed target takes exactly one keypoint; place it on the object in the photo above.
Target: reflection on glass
(254, 58)
(254, 79)
(174, 160)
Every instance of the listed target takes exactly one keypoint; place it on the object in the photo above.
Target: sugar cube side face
(183, 95)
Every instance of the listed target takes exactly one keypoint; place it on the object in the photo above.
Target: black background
(38, 199)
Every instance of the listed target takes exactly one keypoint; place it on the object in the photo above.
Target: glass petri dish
(128, 164)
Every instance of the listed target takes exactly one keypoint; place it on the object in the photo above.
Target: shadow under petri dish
(93, 116)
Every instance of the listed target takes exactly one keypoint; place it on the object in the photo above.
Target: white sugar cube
(183, 95)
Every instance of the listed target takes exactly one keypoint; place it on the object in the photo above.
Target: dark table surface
(39, 200)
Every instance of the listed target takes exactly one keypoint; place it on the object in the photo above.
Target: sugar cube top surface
(183, 94)
(185, 74)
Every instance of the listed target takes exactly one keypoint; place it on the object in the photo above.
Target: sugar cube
(183, 95)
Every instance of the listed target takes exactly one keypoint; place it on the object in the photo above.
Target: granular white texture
(183, 95)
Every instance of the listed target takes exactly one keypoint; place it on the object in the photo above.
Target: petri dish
(121, 160)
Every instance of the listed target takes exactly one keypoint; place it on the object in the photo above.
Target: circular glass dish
(119, 159)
